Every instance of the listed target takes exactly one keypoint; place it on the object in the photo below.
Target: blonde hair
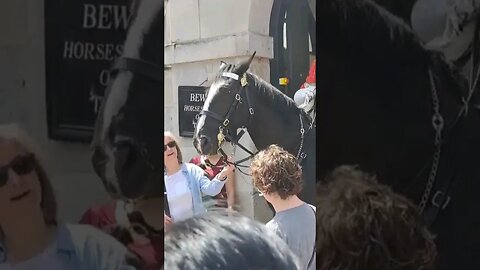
(177, 145)
(16, 134)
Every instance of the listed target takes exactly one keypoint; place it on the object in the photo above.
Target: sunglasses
(21, 165)
(170, 145)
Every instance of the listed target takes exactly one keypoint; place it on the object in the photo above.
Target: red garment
(103, 217)
(311, 79)
(212, 172)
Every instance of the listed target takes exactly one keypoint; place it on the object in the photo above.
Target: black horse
(126, 145)
(390, 106)
(239, 99)
(127, 149)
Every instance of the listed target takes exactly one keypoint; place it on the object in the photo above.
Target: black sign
(82, 40)
(190, 103)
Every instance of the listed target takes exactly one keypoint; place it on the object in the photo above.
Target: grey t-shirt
(296, 226)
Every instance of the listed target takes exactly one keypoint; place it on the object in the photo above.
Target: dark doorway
(292, 26)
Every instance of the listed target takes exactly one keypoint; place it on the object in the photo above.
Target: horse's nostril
(99, 159)
(203, 141)
(125, 153)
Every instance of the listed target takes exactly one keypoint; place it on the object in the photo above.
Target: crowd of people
(357, 223)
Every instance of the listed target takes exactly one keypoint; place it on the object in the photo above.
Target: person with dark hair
(213, 165)
(222, 240)
(136, 224)
(363, 225)
(278, 176)
(31, 237)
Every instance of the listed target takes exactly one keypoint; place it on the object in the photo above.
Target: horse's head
(225, 109)
(127, 145)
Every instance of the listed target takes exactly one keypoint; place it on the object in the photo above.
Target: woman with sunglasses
(31, 237)
(185, 183)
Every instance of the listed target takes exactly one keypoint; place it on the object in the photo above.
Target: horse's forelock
(212, 92)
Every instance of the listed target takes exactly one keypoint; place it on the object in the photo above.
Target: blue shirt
(199, 184)
(82, 247)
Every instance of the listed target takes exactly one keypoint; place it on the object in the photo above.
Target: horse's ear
(243, 66)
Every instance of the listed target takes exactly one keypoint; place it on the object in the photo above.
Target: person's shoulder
(308, 207)
(308, 216)
(99, 216)
(195, 160)
(192, 168)
(307, 211)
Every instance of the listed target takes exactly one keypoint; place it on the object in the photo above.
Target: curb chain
(437, 123)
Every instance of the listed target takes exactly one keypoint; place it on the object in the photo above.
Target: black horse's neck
(276, 119)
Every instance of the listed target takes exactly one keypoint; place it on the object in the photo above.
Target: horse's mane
(269, 94)
(378, 14)
(370, 23)
(265, 91)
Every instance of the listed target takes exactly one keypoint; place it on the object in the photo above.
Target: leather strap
(141, 67)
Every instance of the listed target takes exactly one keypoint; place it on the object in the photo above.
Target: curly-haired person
(362, 225)
(278, 176)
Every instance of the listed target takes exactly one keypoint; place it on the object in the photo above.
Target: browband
(230, 75)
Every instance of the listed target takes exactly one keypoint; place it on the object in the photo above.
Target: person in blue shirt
(31, 237)
(185, 183)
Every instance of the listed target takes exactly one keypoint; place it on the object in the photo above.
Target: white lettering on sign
(97, 101)
(104, 77)
(89, 51)
(191, 108)
(105, 16)
(197, 97)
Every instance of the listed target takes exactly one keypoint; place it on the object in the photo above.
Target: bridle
(223, 134)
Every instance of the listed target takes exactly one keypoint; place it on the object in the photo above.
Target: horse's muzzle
(204, 144)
